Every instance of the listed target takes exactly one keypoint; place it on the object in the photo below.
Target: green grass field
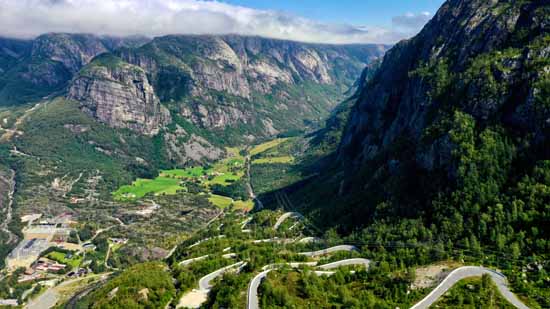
(266, 146)
(273, 160)
(244, 205)
(224, 172)
(191, 172)
(60, 258)
(220, 201)
(142, 187)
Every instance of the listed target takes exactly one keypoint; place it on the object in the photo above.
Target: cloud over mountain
(28, 18)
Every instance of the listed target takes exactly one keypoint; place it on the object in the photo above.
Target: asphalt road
(49, 298)
(347, 262)
(330, 250)
(285, 216)
(252, 299)
(465, 272)
(189, 261)
(204, 282)
(253, 302)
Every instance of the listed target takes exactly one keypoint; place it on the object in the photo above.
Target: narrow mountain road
(465, 272)
(348, 248)
(248, 184)
(252, 301)
(195, 298)
(189, 261)
(49, 298)
(9, 182)
(348, 262)
(285, 216)
(252, 294)
(204, 282)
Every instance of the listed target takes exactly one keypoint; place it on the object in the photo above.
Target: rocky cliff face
(488, 59)
(214, 80)
(119, 94)
(451, 124)
(40, 67)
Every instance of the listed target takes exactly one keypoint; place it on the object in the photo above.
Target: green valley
(218, 155)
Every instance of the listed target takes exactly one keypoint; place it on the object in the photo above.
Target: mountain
(216, 91)
(41, 67)
(449, 139)
(125, 108)
(243, 88)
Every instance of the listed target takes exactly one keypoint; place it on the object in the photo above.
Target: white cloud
(29, 18)
(410, 22)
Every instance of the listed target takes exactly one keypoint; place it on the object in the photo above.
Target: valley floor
(235, 258)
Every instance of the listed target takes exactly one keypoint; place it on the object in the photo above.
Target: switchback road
(465, 272)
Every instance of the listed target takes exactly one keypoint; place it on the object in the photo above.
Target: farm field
(273, 160)
(224, 173)
(142, 187)
(220, 201)
(266, 146)
(191, 172)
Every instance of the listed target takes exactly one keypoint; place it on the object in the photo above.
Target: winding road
(204, 282)
(248, 184)
(285, 216)
(4, 226)
(252, 298)
(348, 248)
(465, 272)
(49, 298)
(189, 261)
(348, 262)
(252, 301)
(455, 276)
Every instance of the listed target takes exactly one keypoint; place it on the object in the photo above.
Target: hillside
(33, 69)
(450, 134)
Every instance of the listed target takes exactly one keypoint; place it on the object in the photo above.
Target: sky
(320, 21)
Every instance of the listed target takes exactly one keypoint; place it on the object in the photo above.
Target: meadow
(142, 187)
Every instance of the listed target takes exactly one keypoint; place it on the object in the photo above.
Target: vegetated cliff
(249, 87)
(40, 67)
(451, 135)
(119, 94)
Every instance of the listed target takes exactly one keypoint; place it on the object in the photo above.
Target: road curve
(330, 250)
(189, 261)
(204, 282)
(306, 240)
(252, 300)
(347, 262)
(465, 272)
(285, 216)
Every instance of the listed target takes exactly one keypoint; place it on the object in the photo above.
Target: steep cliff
(449, 141)
(488, 59)
(249, 86)
(119, 94)
(41, 67)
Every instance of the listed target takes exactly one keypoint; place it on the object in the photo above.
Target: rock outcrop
(485, 58)
(119, 94)
(215, 80)
(37, 68)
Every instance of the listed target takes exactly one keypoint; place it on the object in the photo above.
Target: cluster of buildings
(39, 270)
(39, 236)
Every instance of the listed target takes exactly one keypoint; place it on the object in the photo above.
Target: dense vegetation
(473, 293)
(146, 285)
